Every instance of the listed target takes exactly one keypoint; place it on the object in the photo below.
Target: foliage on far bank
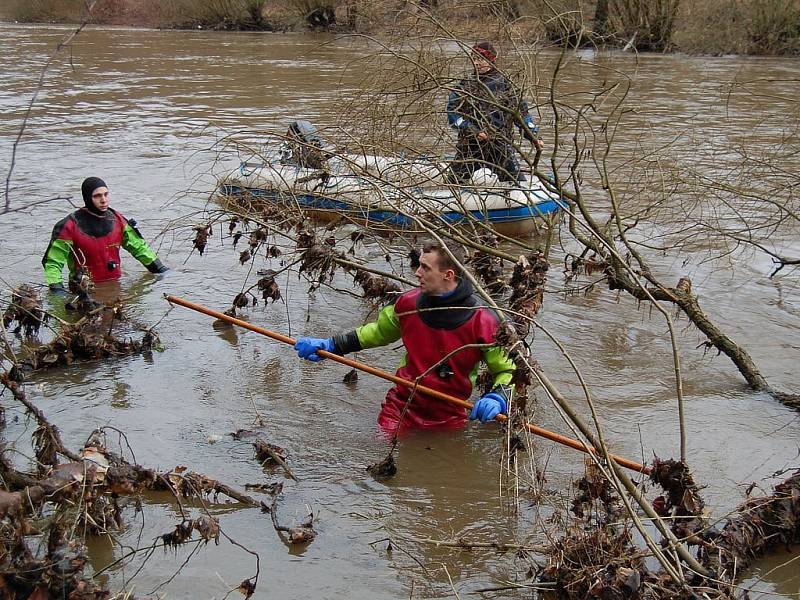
(214, 14)
(232, 15)
(761, 27)
(758, 27)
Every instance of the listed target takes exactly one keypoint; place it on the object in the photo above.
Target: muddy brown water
(139, 108)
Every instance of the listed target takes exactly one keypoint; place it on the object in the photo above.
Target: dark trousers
(471, 155)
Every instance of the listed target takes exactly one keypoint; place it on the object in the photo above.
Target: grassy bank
(216, 14)
(768, 27)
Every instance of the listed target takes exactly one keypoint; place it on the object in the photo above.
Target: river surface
(144, 110)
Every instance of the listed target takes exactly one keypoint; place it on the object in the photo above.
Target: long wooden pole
(555, 437)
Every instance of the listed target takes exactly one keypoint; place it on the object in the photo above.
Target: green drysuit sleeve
(385, 330)
(499, 364)
(134, 243)
(57, 255)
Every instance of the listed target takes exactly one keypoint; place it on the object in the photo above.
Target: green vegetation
(694, 26)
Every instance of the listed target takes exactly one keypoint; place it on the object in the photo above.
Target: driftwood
(600, 560)
(89, 338)
(12, 381)
(635, 276)
(763, 525)
(85, 494)
(189, 484)
(300, 534)
(270, 453)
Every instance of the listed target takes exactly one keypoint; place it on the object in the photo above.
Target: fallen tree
(88, 494)
(597, 557)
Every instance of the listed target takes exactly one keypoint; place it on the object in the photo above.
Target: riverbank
(716, 27)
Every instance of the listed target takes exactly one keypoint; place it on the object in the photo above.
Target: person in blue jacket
(484, 108)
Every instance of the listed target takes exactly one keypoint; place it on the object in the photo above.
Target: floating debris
(265, 488)
(201, 237)
(383, 469)
(489, 268)
(87, 339)
(206, 526)
(593, 488)
(269, 288)
(527, 288)
(26, 310)
(303, 533)
(376, 288)
(266, 452)
(762, 525)
(682, 502)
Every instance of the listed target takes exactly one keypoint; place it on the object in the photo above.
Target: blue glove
(488, 407)
(307, 347)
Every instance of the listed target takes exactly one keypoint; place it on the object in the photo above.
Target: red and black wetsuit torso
(96, 240)
(432, 328)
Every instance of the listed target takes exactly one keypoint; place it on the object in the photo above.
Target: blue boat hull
(517, 220)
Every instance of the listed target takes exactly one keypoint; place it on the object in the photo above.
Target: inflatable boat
(394, 192)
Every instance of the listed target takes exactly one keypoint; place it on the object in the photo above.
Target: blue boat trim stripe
(495, 215)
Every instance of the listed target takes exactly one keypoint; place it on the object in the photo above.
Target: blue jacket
(490, 103)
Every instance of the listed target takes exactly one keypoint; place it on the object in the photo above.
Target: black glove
(57, 289)
(157, 267)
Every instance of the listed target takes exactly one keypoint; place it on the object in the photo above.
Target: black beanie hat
(89, 185)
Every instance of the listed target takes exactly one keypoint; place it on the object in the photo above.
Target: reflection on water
(138, 109)
(778, 574)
